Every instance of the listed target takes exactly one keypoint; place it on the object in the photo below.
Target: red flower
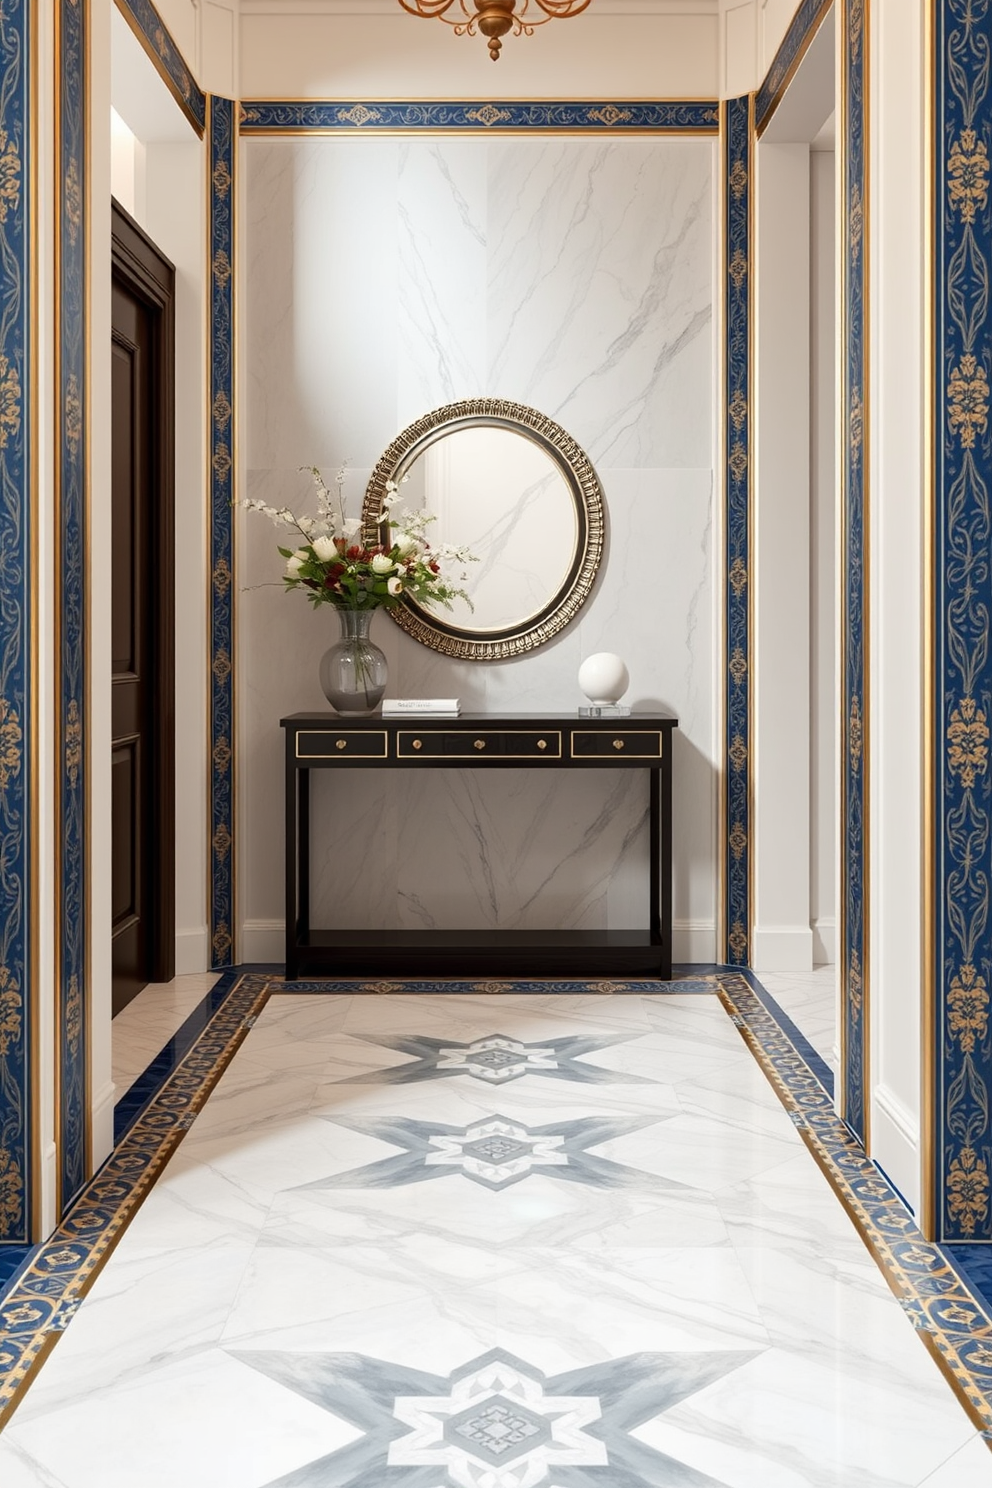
(333, 575)
(354, 554)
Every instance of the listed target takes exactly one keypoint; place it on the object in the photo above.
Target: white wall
(372, 49)
(385, 278)
(751, 32)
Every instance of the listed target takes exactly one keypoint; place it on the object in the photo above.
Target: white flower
(351, 526)
(382, 564)
(406, 544)
(395, 586)
(324, 548)
(294, 564)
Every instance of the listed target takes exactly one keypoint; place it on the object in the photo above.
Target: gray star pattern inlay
(494, 1151)
(496, 1420)
(495, 1059)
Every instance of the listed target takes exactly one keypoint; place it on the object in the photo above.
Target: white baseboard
(694, 941)
(782, 948)
(895, 1142)
(825, 942)
(191, 951)
(265, 940)
(102, 1123)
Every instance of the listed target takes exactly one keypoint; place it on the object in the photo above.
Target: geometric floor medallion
(496, 1422)
(495, 1060)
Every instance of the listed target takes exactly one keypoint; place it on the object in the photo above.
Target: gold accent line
(160, 66)
(866, 967)
(233, 290)
(33, 1219)
(840, 434)
(928, 1000)
(421, 101)
(656, 131)
(794, 67)
(208, 536)
(722, 817)
(56, 578)
(752, 290)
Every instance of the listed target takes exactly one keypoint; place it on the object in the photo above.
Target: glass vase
(353, 671)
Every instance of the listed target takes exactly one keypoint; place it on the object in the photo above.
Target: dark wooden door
(142, 615)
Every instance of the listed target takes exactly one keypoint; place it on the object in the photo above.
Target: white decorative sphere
(604, 678)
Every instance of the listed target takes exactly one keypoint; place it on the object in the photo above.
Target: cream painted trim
(192, 951)
(782, 948)
(824, 942)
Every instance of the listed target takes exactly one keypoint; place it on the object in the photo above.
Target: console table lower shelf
(539, 742)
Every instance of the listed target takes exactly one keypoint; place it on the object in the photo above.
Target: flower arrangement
(334, 566)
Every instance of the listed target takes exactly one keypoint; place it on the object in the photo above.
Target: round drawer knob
(418, 744)
(617, 743)
(542, 743)
(480, 743)
(341, 744)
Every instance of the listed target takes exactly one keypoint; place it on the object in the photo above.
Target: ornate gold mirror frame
(576, 468)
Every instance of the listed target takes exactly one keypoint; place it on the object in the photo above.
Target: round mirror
(513, 488)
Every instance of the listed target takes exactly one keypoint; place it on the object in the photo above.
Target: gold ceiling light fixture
(494, 18)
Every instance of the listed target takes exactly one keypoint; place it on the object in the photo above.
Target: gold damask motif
(610, 115)
(10, 1010)
(11, 1193)
(967, 735)
(381, 987)
(856, 223)
(738, 940)
(222, 461)
(359, 115)
(738, 576)
(222, 410)
(855, 986)
(10, 401)
(10, 743)
(10, 176)
(738, 410)
(968, 1189)
(221, 667)
(737, 268)
(222, 842)
(738, 180)
(968, 175)
(488, 115)
(222, 940)
(738, 753)
(738, 841)
(968, 1001)
(738, 461)
(968, 400)
(856, 425)
(222, 756)
(855, 734)
(607, 989)
(73, 201)
(222, 268)
(73, 419)
(738, 665)
(222, 179)
(73, 1016)
(222, 577)
(73, 742)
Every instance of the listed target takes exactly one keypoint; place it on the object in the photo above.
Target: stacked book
(419, 707)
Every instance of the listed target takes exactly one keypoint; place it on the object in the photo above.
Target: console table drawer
(531, 744)
(342, 743)
(616, 744)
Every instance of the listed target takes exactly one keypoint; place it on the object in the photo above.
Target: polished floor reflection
(476, 1241)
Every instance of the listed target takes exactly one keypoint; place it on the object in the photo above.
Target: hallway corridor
(493, 1241)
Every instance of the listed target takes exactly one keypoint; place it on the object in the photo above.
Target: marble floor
(477, 1241)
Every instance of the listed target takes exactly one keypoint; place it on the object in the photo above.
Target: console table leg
(666, 860)
(303, 914)
(654, 852)
(292, 824)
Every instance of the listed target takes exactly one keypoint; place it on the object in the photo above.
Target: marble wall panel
(386, 277)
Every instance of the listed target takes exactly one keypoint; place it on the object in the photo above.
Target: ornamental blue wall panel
(221, 138)
(854, 577)
(154, 35)
(738, 136)
(72, 993)
(802, 28)
(963, 684)
(18, 909)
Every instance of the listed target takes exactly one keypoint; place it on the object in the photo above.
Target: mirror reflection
(501, 496)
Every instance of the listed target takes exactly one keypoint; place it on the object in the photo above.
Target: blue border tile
(738, 174)
(159, 43)
(498, 116)
(963, 690)
(802, 28)
(17, 640)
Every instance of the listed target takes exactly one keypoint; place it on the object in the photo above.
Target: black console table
(479, 741)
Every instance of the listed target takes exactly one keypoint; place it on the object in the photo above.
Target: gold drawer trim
(344, 744)
(547, 744)
(621, 745)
